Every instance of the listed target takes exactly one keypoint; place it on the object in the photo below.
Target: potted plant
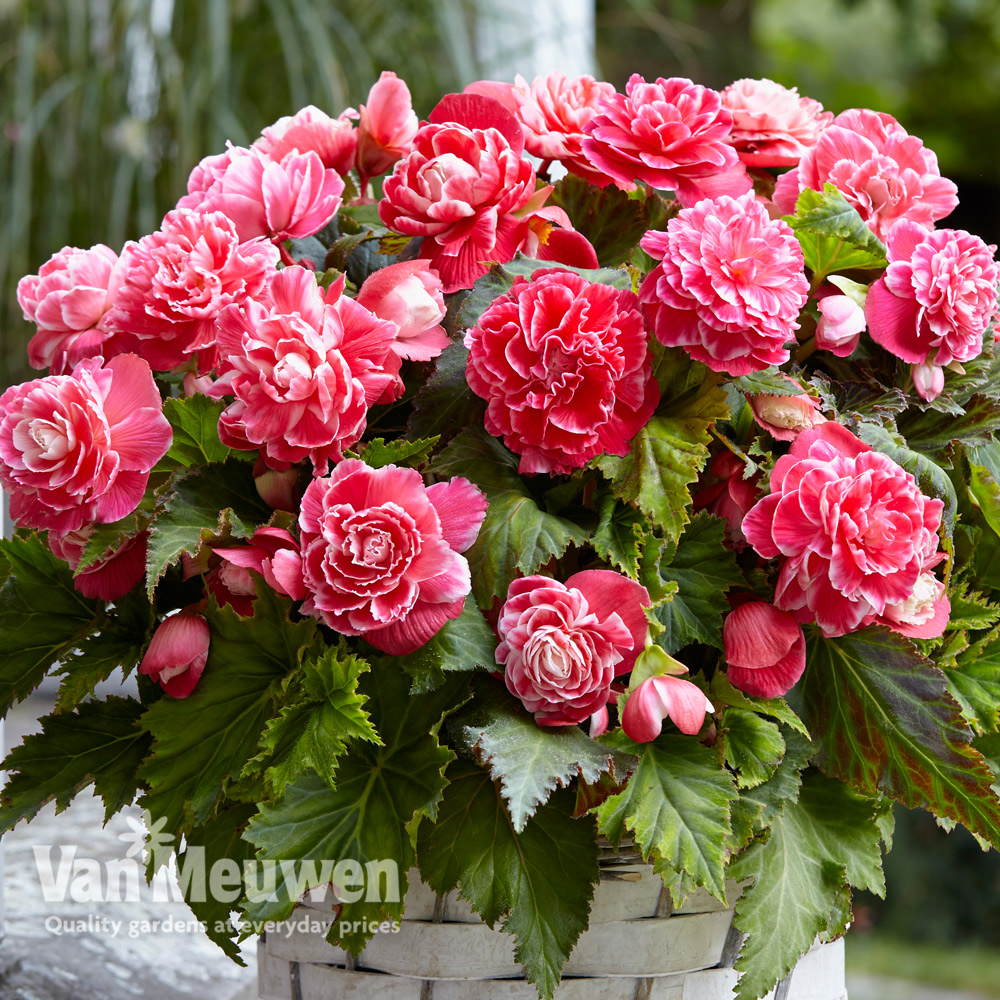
(481, 539)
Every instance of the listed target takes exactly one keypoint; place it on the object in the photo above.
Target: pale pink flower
(883, 171)
(380, 552)
(852, 529)
(841, 323)
(562, 644)
(765, 649)
(304, 367)
(387, 127)
(175, 283)
(333, 140)
(730, 287)
(67, 300)
(661, 697)
(271, 553)
(928, 380)
(565, 368)
(772, 125)
(178, 652)
(75, 449)
(785, 417)
(113, 575)
(672, 134)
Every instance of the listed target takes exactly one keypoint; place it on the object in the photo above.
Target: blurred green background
(105, 105)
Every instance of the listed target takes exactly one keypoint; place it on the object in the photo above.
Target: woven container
(638, 947)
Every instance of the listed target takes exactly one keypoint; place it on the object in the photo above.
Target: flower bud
(785, 417)
(387, 127)
(765, 649)
(277, 489)
(928, 380)
(841, 323)
(177, 654)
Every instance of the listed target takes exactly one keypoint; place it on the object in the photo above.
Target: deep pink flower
(785, 417)
(289, 198)
(178, 652)
(772, 125)
(841, 323)
(380, 552)
(273, 554)
(658, 698)
(408, 295)
(883, 171)
(113, 575)
(75, 449)
(176, 281)
(304, 368)
(935, 300)
(730, 287)
(765, 649)
(727, 494)
(563, 644)
(672, 134)
(565, 368)
(333, 140)
(852, 529)
(387, 127)
(67, 300)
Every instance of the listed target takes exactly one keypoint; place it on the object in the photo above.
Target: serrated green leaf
(770, 382)
(678, 804)
(98, 744)
(195, 423)
(754, 746)
(542, 878)
(618, 536)
(975, 684)
(885, 722)
(933, 432)
(112, 536)
(445, 404)
(853, 402)
(970, 610)
(722, 692)
(377, 453)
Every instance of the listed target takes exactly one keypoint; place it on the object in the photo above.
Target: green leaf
(666, 456)
(678, 805)
(219, 501)
(933, 432)
(529, 760)
(195, 423)
(984, 491)
(204, 741)
(885, 723)
(517, 535)
(366, 818)
(542, 878)
(98, 744)
(754, 746)
(618, 536)
(465, 643)
(722, 692)
(832, 234)
(321, 710)
(377, 453)
(444, 403)
(42, 616)
(975, 684)
(704, 569)
(770, 381)
(970, 610)
(827, 839)
(112, 536)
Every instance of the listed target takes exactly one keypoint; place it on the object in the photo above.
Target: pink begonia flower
(310, 130)
(565, 368)
(765, 649)
(851, 527)
(730, 496)
(272, 553)
(289, 198)
(730, 286)
(176, 281)
(77, 449)
(841, 323)
(304, 367)
(785, 417)
(387, 127)
(772, 125)
(923, 615)
(562, 644)
(661, 697)
(113, 575)
(672, 134)
(68, 300)
(380, 552)
(935, 301)
(277, 488)
(178, 652)
(928, 380)
(408, 295)
(883, 171)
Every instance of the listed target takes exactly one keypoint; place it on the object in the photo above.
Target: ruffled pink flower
(565, 368)
(923, 615)
(852, 529)
(408, 295)
(113, 575)
(765, 649)
(387, 127)
(672, 134)
(730, 287)
(178, 652)
(785, 417)
(883, 171)
(772, 125)
(310, 130)
(273, 554)
(841, 323)
(289, 198)
(304, 367)
(563, 644)
(661, 697)
(67, 300)
(727, 494)
(77, 449)
(934, 302)
(380, 552)
(176, 281)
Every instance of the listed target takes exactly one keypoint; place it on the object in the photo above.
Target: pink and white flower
(785, 417)
(178, 652)
(310, 130)
(765, 649)
(110, 577)
(271, 553)
(380, 552)
(387, 127)
(841, 323)
(730, 286)
(661, 697)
